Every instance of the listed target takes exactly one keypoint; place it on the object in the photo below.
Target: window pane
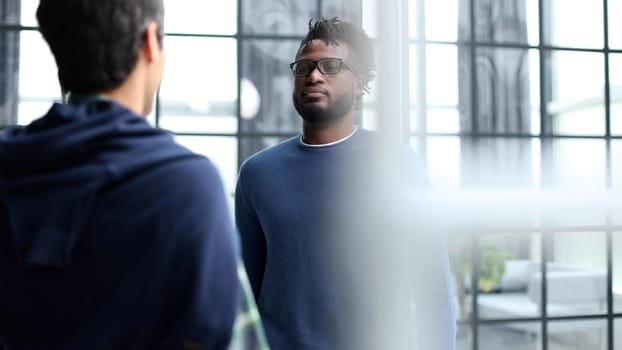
(277, 17)
(38, 79)
(504, 83)
(413, 19)
(443, 162)
(617, 275)
(534, 90)
(29, 11)
(576, 276)
(370, 17)
(199, 88)
(563, 16)
(507, 21)
(9, 78)
(501, 163)
(615, 80)
(508, 265)
(369, 113)
(265, 65)
(10, 12)
(579, 164)
(615, 27)
(415, 87)
(464, 337)
(510, 336)
(443, 120)
(348, 10)
(617, 334)
(577, 335)
(616, 170)
(199, 16)
(443, 19)
(441, 85)
(577, 105)
(222, 151)
(459, 245)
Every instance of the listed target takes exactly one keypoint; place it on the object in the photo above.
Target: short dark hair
(96, 42)
(333, 31)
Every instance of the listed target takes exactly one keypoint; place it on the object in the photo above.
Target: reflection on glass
(511, 336)
(615, 26)
(199, 16)
(508, 265)
(199, 90)
(577, 335)
(615, 95)
(222, 151)
(578, 102)
(576, 275)
(38, 79)
(563, 17)
(277, 17)
(579, 164)
(265, 65)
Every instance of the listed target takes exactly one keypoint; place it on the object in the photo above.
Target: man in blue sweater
(112, 236)
(326, 218)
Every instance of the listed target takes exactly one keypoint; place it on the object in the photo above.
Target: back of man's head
(96, 42)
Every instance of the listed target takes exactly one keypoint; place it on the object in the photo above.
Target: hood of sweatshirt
(52, 171)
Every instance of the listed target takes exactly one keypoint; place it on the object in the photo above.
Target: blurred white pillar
(393, 76)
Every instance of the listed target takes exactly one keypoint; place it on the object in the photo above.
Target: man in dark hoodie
(112, 236)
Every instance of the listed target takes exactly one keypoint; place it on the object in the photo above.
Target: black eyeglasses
(327, 65)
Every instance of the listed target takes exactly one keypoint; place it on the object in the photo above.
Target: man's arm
(202, 277)
(435, 309)
(252, 238)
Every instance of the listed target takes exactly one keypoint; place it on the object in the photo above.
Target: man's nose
(315, 75)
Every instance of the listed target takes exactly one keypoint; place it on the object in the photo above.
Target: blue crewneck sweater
(294, 207)
(111, 236)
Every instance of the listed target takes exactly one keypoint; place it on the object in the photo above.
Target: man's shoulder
(270, 156)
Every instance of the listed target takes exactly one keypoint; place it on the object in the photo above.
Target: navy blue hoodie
(111, 236)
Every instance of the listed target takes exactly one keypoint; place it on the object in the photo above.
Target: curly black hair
(333, 31)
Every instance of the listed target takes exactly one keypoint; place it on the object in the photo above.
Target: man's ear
(359, 85)
(151, 42)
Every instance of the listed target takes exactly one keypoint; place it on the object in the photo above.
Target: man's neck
(323, 134)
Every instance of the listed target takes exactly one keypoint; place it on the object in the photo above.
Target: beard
(318, 115)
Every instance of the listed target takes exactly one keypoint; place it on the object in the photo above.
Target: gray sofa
(570, 291)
